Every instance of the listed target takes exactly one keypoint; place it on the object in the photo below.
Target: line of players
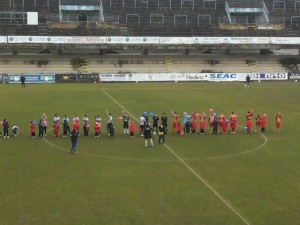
(217, 124)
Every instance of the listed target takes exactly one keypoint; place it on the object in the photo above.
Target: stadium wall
(163, 77)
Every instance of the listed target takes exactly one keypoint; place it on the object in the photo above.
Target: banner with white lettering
(57, 39)
(123, 40)
(132, 40)
(32, 78)
(213, 77)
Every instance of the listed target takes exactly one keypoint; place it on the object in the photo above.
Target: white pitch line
(105, 156)
(190, 169)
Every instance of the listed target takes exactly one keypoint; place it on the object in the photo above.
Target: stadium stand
(153, 17)
(137, 64)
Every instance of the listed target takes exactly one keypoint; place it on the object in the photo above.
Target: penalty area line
(189, 168)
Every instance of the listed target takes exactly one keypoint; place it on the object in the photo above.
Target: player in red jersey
(249, 114)
(75, 126)
(32, 129)
(277, 122)
(225, 125)
(210, 122)
(221, 119)
(233, 120)
(248, 126)
(131, 129)
(97, 127)
(175, 121)
(263, 123)
(257, 122)
(202, 124)
(179, 128)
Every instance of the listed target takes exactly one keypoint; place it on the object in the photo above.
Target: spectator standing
(247, 84)
(22, 79)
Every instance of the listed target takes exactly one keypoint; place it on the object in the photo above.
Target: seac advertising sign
(214, 77)
(32, 78)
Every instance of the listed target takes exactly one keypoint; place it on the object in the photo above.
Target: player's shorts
(278, 125)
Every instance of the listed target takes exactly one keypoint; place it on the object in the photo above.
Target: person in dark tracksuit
(148, 135)
(161, 133)
(247, 81)
(215, 125)
(5, 128)
(125, 123)
(155, 120)
(74, 137)
(164, 120)
(22, 79)
(66, 126)
(41, 128)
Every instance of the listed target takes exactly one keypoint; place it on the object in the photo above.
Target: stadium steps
(251, 62)
(84, 65)
(124, 30)
(14, 64)
(43, 30)
(169, 63)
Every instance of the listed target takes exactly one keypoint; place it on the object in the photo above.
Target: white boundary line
(162, 160)
(233, 154)
(190, 169)
(105, 156)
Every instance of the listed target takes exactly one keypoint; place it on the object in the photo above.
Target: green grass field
(192, 180)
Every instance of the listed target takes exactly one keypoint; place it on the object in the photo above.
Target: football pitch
(190, 180)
